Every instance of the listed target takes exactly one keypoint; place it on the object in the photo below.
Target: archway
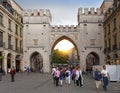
(36, 62)
(73, 52)
(17, 61)
(9, 61)
(91, 60)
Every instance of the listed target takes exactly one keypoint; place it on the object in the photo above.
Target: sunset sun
(64, 45)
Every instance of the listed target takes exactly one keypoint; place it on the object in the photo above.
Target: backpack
(97, 76)
(67, 74)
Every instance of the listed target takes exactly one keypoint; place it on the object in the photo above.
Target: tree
(60, 57)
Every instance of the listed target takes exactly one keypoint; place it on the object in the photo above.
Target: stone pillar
(5, 63)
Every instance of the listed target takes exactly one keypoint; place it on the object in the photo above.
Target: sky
(64, 12)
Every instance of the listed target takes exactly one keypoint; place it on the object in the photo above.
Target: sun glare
(64, 45)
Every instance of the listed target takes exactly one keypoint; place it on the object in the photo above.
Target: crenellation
(80, 11)
(92, 10)
(86, 11)
(98, 11)
(36, 12)
(89, 11)
(62, 27)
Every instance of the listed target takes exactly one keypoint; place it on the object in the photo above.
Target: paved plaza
(42, 83)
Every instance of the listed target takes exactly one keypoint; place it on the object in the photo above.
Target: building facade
(112, 33)
(40, 38)
(11, 35)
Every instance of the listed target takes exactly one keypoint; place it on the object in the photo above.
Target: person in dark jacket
(1, 73)
(97, 78)
(12, 72)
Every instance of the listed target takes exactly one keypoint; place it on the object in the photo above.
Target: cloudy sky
(64, 12)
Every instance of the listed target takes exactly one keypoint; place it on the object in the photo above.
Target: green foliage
(60, 57)
(1, 57)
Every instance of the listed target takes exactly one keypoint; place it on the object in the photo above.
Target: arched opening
(36, 62)
(68, 47)
(91, 60)
(9, 61)
(17, 61)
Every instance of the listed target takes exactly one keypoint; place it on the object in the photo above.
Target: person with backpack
(61, 77)
(67, 75)
(97, 78)
(53, 74)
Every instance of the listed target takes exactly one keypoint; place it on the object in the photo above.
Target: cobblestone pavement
(42, 83)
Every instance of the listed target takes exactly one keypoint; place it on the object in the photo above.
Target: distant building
(11, 35)
(112, 33)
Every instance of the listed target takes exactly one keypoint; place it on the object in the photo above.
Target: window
(114, 24)
(16, 44)
(9, 24)
(115, 39)
(105, 31)
(21, 45)
(1, 39)
(9, 42)
(109, 44)
(16, 29)
(1, 19)
(108, 28)
(20, 31)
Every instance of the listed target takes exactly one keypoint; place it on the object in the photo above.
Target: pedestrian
(53, 74)
(97, 78)
(28, 70)
(1, 73)
(105, 76)
(61, 77)
(79, 77)
(74, 75)
(57, 75)
(12, 72)
(68, 75)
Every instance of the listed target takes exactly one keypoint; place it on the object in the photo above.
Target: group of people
(101, 77)
(76, 74)
(60, 74)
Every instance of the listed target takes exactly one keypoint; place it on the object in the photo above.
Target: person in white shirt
(79, 77)
(53, 73)
(105, 76)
